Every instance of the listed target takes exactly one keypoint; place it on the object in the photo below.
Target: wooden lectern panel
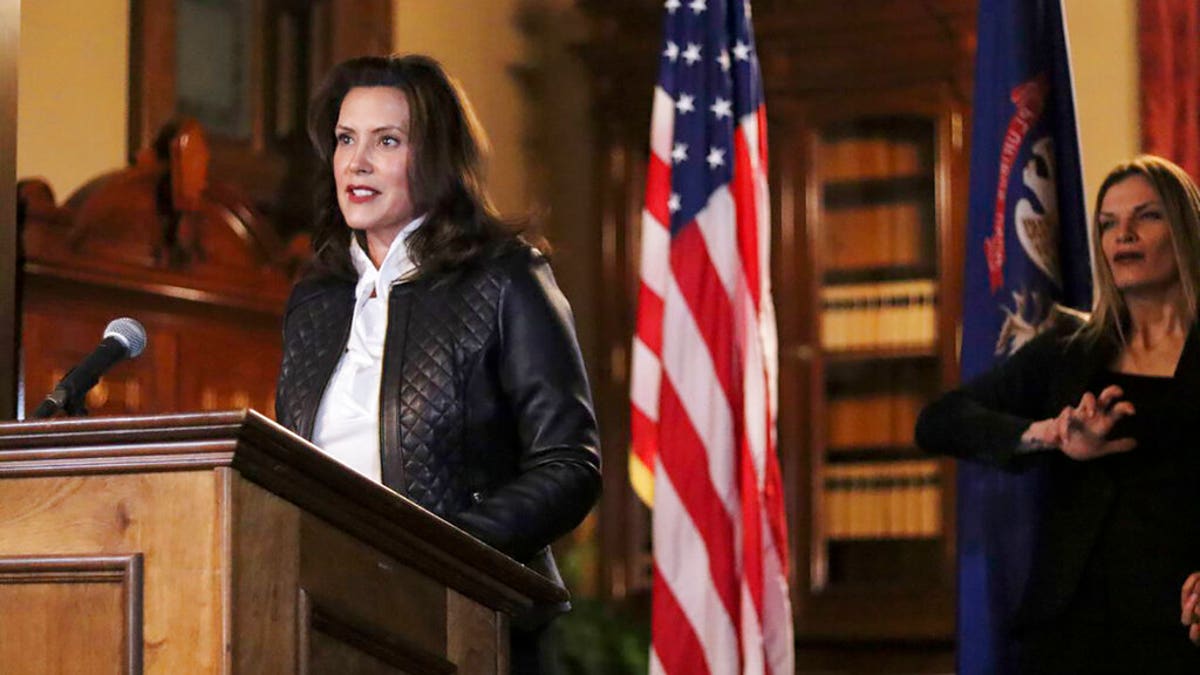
(334, 642)
(168, 518)
(479, 641)
(78, 615)
(258, 554)
(328, 655)
(348, 601)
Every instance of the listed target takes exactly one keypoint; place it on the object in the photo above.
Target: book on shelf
(863, 237)
(869, 157)
(883, 500)
(872, 419)
(879, 315)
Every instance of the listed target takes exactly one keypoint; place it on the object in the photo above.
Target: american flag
(704, 357)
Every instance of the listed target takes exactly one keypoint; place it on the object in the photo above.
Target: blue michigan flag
(1026, 249)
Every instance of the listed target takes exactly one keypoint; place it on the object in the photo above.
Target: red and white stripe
(704, 397)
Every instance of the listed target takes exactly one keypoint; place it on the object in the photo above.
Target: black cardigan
(1146, 502)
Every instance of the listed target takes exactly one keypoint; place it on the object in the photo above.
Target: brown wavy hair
(445, 178)
(1181, 207)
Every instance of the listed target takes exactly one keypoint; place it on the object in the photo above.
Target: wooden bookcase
(876, 222)
(868, 277)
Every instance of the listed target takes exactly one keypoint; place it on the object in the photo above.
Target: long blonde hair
(1181, 206)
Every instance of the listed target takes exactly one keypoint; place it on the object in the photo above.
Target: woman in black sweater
(1107, 405)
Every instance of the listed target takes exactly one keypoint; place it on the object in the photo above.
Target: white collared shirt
(347, 423)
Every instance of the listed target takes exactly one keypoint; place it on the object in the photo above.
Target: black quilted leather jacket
(485, 413)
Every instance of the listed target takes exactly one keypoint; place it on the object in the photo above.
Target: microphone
(123, 338)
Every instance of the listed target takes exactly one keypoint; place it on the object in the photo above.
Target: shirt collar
(396, 264)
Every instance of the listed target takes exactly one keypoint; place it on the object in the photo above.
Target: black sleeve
(542, 375)
(284, 413)
(984, 419)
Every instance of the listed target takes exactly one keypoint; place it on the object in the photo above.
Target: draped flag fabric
(1026, 249)
(704, 358)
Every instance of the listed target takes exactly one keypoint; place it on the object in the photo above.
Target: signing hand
(1189, 596)
(1079, 431)
(1082, 429)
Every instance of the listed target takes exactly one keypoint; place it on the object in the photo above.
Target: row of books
(869, 157)
(891, 234)
(872, 420)
(881, 315)
(883, 500)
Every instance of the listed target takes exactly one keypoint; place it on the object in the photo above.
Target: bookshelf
(875, 189)
(875, 183)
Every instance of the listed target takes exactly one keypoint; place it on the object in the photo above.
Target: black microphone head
(130, 333)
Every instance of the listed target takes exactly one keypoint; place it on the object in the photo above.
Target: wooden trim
(10, 329)
(161, 284)
(318, 615)
(151, 69)
(115, 459)
(227, 544)
(125, 570)
(283, 463)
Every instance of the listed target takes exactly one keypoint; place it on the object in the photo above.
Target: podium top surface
(285, 464)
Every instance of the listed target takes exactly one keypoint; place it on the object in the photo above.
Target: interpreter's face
(371, 162)
(1136, 238)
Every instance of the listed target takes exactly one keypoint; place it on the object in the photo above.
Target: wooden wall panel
(229, 367)
(64, 338)
(190, 362)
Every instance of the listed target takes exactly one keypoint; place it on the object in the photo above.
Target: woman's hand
(1189, 596)
(1042, 435)
(1082, 429)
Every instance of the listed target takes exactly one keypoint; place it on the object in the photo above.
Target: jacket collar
(396, 266)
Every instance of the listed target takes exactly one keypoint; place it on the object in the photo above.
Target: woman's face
(1135, 236)
(371, 161)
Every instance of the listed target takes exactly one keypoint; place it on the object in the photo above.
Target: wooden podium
(222, 543)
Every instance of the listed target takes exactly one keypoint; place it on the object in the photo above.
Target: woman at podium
(1105, 407)
(429, 348)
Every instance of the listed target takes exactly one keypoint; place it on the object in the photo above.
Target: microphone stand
(73, 403)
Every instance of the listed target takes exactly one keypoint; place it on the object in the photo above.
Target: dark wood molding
(125, 570)
(151, 70)
(267, 299)
(318, 615)
(286, 465)
(10, 328)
